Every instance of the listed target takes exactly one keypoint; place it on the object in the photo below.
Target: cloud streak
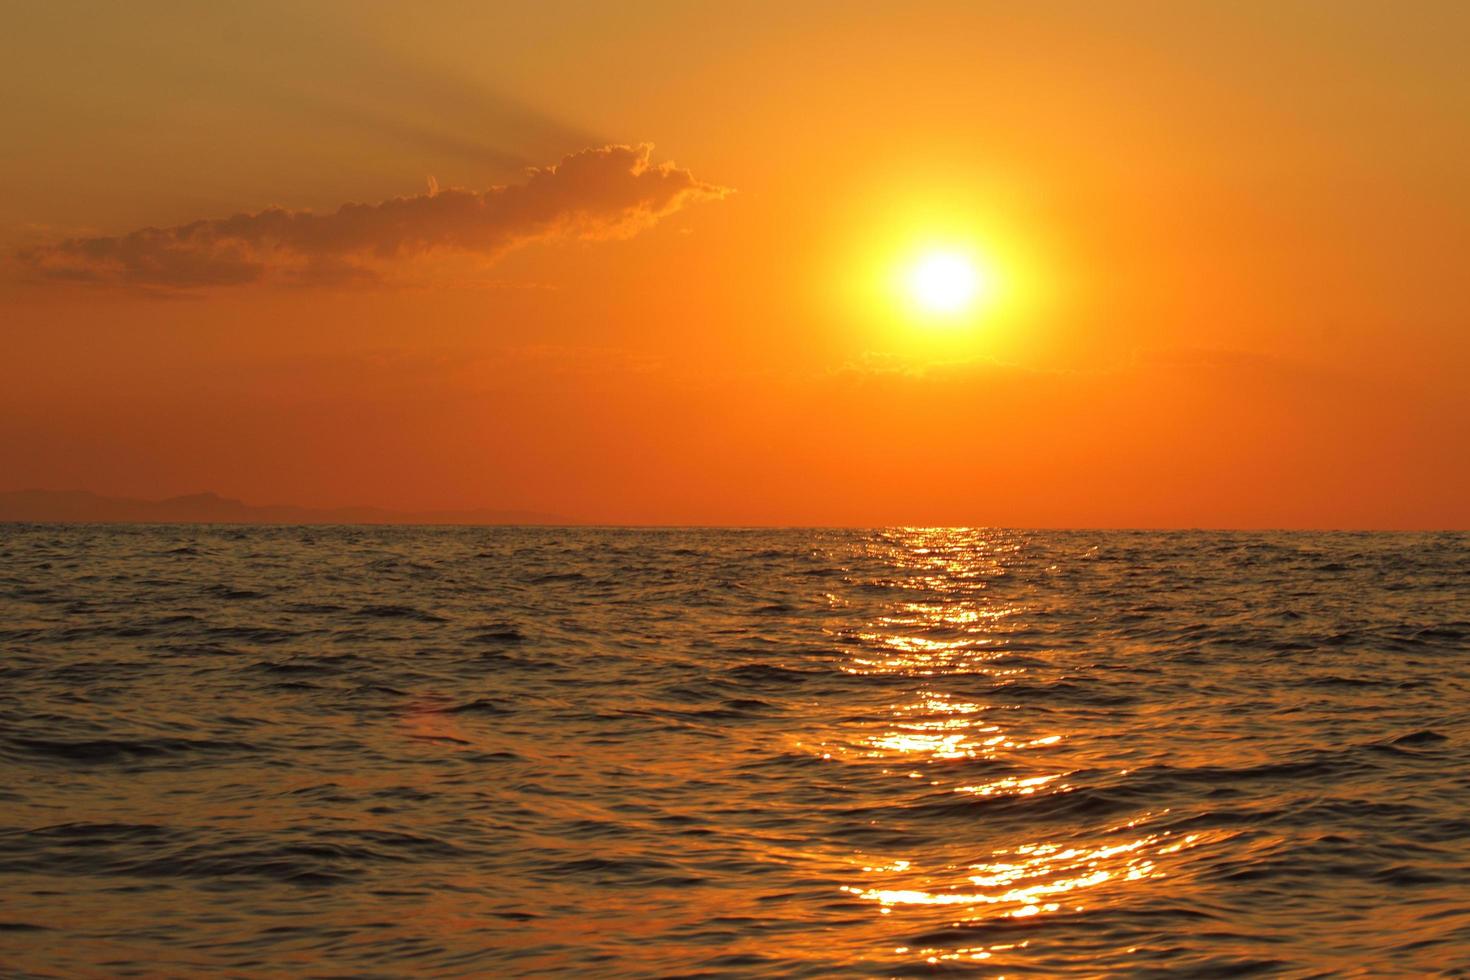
(600, 193)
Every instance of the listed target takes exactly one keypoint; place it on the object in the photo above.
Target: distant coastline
(84, 507)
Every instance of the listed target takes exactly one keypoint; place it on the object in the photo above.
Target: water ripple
(495, 751)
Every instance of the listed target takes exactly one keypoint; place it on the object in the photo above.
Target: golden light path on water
(954, 642)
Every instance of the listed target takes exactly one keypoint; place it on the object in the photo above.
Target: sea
(581, 752)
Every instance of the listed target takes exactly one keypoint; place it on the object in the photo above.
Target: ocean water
(582, 752)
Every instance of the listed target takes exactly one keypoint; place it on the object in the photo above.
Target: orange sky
(1228, 243)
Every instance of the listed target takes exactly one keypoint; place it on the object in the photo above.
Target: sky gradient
(635, 263)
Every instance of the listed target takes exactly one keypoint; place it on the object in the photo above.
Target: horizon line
(522, 517)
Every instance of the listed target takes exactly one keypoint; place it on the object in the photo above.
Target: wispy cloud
(605, 192)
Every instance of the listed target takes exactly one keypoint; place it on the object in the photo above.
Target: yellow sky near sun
(1223, 249)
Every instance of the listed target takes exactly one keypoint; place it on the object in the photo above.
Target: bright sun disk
(944, 282)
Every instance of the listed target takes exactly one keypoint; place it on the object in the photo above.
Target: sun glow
(946, 283)
(926, 283)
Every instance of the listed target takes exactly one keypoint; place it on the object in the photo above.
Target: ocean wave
(591, 752)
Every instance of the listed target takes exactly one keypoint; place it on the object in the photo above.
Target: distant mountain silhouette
(82, 507)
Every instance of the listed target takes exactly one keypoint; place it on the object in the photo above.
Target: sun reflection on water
(1012, 786)
(898, 644)
(947, 731)
(960, 733)
(1031, 878)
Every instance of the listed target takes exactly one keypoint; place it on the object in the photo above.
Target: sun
(946, 283)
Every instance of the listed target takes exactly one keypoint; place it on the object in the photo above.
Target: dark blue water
(493, 751)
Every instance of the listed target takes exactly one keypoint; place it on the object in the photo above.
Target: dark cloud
(607, 192)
